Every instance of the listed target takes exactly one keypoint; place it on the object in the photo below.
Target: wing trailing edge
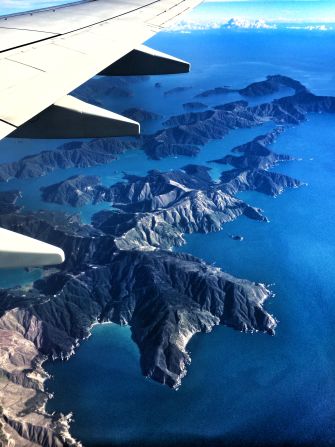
(72, 118)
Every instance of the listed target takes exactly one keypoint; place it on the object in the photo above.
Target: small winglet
(17, 250)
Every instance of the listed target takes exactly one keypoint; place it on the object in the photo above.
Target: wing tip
(17, 250)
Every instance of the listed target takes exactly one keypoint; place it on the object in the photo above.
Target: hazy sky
(269, 10)
(284, 11)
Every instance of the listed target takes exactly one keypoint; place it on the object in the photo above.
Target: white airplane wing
(46, 54)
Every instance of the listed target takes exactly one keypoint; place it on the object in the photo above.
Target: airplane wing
(47, 53)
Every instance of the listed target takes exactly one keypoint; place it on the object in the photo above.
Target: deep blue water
(284, 385)
(240, 387)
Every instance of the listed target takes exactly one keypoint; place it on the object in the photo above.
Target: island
(215, 91)
(236, 237)
(101, 87)
(77, 190)
(190, 106)
(141, 115)
(79, 154)
(266, 182)
(175, 90)
(272, 84)
(256, 154)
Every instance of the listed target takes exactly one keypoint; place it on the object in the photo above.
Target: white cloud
(312, 27)
(188, 25)
(233, 23)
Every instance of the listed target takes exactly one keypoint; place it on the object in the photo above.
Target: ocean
(240, 388)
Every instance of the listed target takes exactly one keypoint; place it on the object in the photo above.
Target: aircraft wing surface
(47, 53)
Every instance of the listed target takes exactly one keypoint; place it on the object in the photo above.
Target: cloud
(233, 23)
(312, 27)
(186, 26)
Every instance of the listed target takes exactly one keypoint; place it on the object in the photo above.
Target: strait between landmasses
(158, 188)
(119, 269)
(183, 134)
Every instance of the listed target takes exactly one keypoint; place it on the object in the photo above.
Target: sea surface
(240, 388)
